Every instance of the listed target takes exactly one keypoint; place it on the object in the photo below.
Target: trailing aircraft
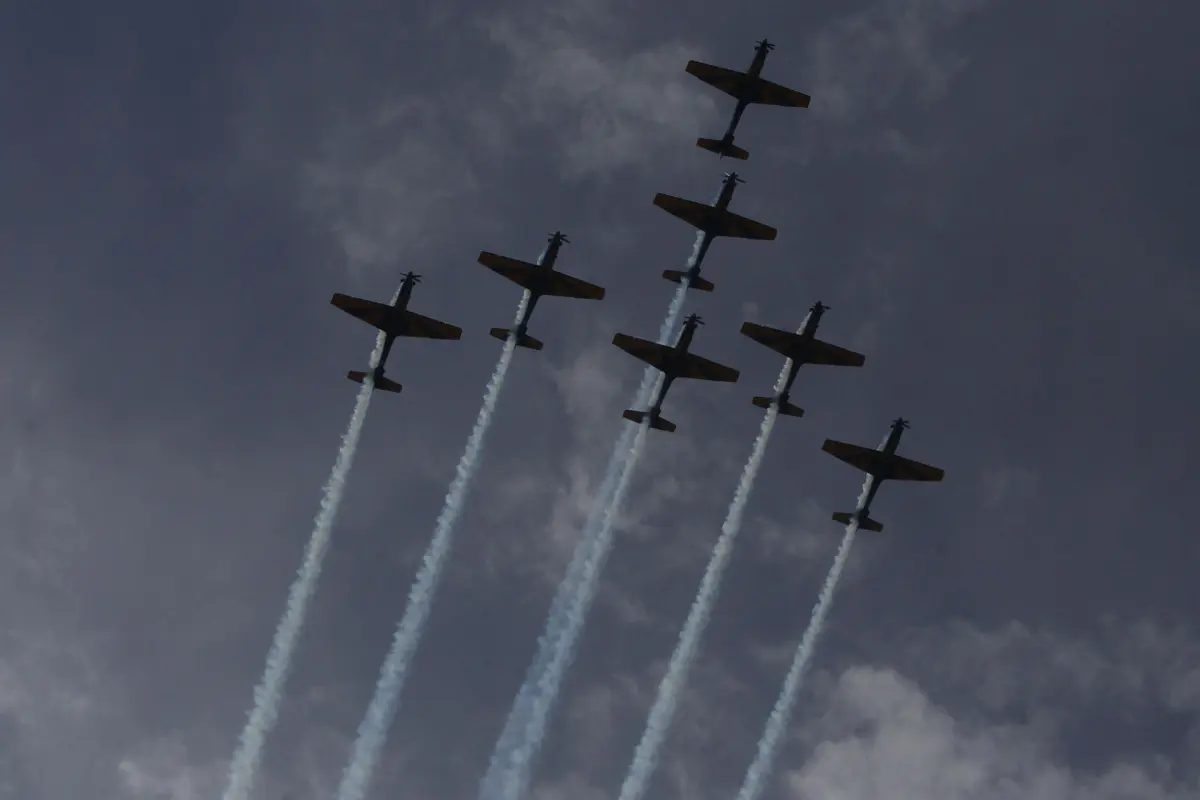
(539, 280)
(802, 348)
(394, 320)
(881, 465)
(746, 87)
(713, 221)
(674, 362)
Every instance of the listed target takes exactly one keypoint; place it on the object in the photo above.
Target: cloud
(610, 106)
(387, 185)
(884, 738)
(888, 54)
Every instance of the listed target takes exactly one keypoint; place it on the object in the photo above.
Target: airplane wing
(727, 80)
(830, 354)
(792, 345)
(652, 353)
(905, 469)
(861, 458)
(691, 212)
(370, 312)
(562, 285)
(729, 224)
(701, 369)
(782, 342)
(772, 94)
(519, 272)
(717, 221)
(534, 277)
(741, 86)
(884, 467)
(413, 324)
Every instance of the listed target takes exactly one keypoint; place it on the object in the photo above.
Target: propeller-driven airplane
(394, 320)
(540, 280)
(713, 221)
(674, 362)
(880, 465)
(745, 87)
(802, 348)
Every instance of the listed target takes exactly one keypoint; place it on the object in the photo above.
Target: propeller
(559, 236)
(694, 319)
(766, 44)
(819, 308)
(900, 422)
(733, 176)
(412, 277)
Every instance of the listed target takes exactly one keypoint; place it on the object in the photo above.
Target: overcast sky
(996, 199)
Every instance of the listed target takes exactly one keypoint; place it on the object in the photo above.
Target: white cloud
(884, 738)
(609, 107)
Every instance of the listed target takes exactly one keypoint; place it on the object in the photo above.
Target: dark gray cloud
(995, 198)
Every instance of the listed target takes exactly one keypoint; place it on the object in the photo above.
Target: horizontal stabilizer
(386, 384)
(864, 524)
(712, 220)
(658, 423)
(785, 408)
(523, 340)
(675, 276)
(721, 148)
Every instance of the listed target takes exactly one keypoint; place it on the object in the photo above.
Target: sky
(992, 197)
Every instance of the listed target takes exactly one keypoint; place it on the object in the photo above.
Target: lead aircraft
(746, 87)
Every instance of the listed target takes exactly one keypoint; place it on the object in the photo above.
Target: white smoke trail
(768, 745)
(372, 732)
(269, 693)
(513, 749)
(645, 757)
(517, 779)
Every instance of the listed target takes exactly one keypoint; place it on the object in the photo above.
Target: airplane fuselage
(389, 338)
(808, 332)
(873, 482)
(671, 369)
(756, 67)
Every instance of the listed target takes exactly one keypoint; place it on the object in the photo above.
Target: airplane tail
(675, 276)
(866, 523)
(656, 422)
(785, 408)
(381, 382)
(523, 339)
(719, 147)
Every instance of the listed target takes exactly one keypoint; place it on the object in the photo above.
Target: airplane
(674, 362)
(746, 87)
(540, 279)
(881, 465)
(802, 348)
(394, 320)
(715, 220)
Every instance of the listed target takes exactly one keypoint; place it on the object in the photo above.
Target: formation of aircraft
(745, 87)
(674, 362)
(880, 465)
(540, 280)
(802, 348)
(713, 221)
(394, 320)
